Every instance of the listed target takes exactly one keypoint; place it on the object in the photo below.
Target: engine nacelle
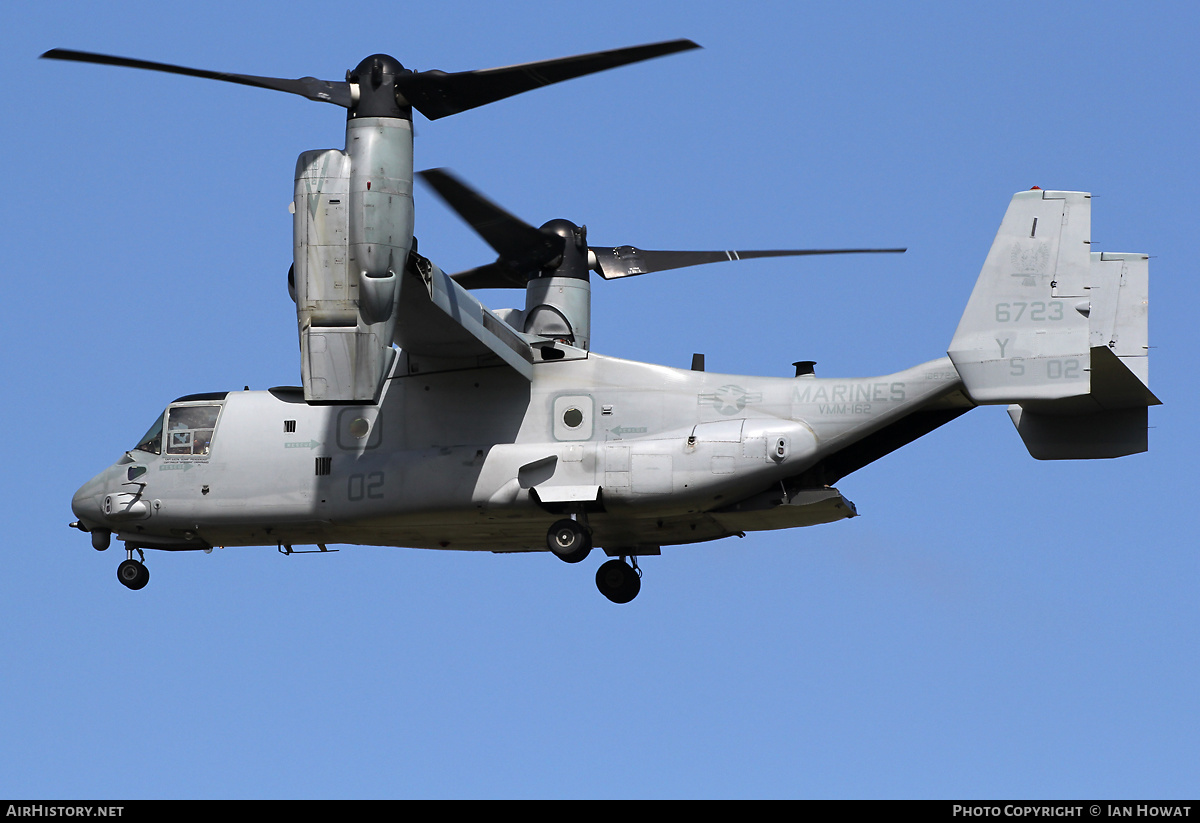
(353, 227)
(558, 304)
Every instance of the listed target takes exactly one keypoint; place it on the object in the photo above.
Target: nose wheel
(133, 574)
(619, 581)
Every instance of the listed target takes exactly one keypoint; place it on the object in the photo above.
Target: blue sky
(990, 626)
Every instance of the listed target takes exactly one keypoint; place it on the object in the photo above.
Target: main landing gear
(571, 540)
(619, 581)
(133, 574)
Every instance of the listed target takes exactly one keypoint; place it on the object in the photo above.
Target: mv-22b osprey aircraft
(427, 420)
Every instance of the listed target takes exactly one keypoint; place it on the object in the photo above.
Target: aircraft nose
(87, 502)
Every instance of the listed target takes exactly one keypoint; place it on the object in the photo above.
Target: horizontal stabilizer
(1111, 421)
(1082, 436)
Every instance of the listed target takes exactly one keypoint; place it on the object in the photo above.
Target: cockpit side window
(190, 429)
(152, 440)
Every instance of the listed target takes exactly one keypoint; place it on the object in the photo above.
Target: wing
(439, 318)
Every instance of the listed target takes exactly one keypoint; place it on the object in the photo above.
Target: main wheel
(569, 540)
(133, 575)
(618, 581)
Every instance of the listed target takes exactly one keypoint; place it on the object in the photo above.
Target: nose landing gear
(133, 574)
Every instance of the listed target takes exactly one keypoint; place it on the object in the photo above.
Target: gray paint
(440, 459)
(427, 420)
(483, 439)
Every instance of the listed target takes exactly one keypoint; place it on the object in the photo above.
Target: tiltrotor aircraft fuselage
(426, 420)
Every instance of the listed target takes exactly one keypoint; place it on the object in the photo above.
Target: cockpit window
(152, 440)
(190, 429)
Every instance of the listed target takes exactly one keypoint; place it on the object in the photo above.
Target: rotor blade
(627, 261)
(437, 93)
(521, 247)
(323, 91)
(492, 276)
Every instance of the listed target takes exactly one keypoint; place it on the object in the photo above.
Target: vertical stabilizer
(1119, 299)
(1059, 333)
(1024, 334)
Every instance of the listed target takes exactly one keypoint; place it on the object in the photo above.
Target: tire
(569, 541)
(133, 575)
(617, 581)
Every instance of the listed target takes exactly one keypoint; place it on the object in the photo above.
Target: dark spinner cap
(378, 95)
